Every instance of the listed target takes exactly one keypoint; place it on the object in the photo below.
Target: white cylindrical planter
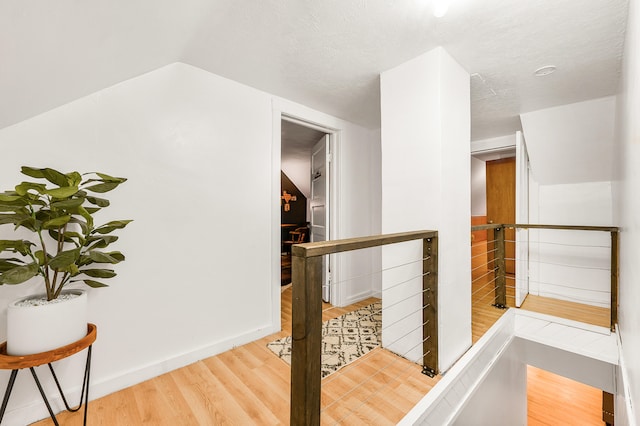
(35, 329)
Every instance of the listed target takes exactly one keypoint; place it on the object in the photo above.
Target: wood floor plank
(173, 398)
(570, 310)
(275, 398)
(245, 358)
(247, 400)
(153, 405)
(555, 400)
(121, 409)
(208, 399)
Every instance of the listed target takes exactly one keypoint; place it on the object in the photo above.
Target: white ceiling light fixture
(440, 7)
(546, 70)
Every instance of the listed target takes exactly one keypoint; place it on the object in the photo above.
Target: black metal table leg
(7, 393)
(87, 375)
(84, 393)
(44, 397)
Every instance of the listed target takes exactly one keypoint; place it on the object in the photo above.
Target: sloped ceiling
(297, 143)
(325, 54)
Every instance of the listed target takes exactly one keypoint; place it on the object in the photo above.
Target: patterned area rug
(344, 339)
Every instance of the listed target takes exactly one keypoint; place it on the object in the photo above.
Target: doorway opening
(493, 200)
(306, 177)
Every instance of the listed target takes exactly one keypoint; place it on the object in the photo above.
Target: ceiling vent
(546, 70)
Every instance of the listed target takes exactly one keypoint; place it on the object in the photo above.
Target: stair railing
(307, 314)
(500, 256)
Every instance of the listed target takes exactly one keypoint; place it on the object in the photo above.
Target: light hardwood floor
(250, 385)
(569, 310)
(555, 400)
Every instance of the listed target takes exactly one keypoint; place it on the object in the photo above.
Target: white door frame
(296, 113)
(522, 216)
(322, 148)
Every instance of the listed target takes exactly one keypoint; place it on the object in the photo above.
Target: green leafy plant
(65, 245)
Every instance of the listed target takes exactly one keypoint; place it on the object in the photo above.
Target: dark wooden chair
(296, 236)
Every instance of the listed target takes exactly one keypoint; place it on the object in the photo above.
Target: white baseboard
(355, 298)
(35, 409)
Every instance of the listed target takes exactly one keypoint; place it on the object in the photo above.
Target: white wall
(426, 185)
(553, 253)
(623, 408)
(200, 154)
(501, 398)
(377, 206)
(571, 143)
(478, 187)
(376, 209)
(570, 153)
(359, 215)
(588, 370)
(297, 170)
(627, 204)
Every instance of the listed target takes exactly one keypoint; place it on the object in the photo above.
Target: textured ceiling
(298, 140)
(325, 54)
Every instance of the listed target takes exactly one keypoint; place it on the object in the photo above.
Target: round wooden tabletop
(15, 362)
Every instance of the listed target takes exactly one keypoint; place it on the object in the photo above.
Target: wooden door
(501, 202)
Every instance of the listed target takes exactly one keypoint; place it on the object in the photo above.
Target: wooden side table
(16, 363)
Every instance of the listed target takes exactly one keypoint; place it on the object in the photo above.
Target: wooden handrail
(306, 333)
(321, 248)
(537, 226)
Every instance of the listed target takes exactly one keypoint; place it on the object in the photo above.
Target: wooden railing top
(530, 226)
(321, 248)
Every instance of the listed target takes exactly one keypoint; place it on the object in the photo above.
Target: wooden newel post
(614, 279)
(430, 306)
(306, 338)
(500, 274)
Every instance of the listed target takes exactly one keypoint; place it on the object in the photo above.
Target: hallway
(249, 385)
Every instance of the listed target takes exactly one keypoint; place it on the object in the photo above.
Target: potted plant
(57, 241)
